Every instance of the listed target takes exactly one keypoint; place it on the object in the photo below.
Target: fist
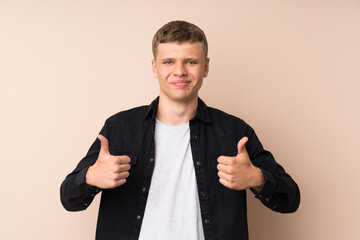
(238, 172)
(109, 171)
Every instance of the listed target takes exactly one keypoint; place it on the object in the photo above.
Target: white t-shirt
(172, 209)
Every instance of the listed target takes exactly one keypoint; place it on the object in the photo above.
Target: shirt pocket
(129, 185)
(221, 191)
(120, 152)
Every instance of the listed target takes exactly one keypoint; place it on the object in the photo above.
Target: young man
(177, 169)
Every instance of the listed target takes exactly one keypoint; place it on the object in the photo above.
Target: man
(177, 169)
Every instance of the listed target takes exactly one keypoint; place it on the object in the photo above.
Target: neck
(174, 112)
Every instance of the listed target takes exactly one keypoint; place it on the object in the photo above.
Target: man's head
(179, 32)
(180, 61)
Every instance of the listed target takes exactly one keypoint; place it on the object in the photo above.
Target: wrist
(88, 178)
(258, 179)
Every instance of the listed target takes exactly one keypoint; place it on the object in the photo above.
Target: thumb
(104, 144)
(241, 145)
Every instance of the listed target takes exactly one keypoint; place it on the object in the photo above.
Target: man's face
(180, 69)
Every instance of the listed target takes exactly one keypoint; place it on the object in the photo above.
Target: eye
(192, 62)
(168, 62)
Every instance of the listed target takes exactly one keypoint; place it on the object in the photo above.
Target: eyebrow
(165, 59)
(186, 59)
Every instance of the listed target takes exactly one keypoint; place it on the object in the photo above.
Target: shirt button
(86, 204)
(151, 159)
(198, 163)
(207, 221)
(203, 194)
(194, 137)
(138, 217)
(267, 199)
(274, 207)
(144, 189)
(93, 195)
(260, 196)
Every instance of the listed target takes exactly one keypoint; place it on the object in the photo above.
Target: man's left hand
(238, 172)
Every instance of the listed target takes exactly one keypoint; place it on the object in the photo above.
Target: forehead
(175, 49)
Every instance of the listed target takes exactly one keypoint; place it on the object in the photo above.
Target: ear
(154, 69)
(206, 68)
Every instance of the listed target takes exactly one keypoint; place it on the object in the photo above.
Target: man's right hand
(109, 171)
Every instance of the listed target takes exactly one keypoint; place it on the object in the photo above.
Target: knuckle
(124, 167)
(127, 166)
(232, 161)
(117, 168)
(111, 161)
(125, 159)
(122, 182)
(223, 159)
(117, 159)
(114, 177)
(112, 184)
(124, 174)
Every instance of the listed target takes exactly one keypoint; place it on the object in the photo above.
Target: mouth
(181, 83)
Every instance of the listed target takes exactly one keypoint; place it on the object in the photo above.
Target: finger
(224, 168)
(123, 159)
(121, 182)
(122, 175)
(225, 160)
(241, 145)
(104, 144)
(225, 176)
(124, 167)
(225, 183)
(118, 183)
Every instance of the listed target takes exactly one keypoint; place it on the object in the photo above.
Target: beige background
(291, 69)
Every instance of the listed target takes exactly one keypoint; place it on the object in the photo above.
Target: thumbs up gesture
(109, 171)
(238, 172)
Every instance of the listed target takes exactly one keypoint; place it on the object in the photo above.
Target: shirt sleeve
(75, 193)
(280, 192)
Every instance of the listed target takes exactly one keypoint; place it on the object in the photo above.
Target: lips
(181, 83)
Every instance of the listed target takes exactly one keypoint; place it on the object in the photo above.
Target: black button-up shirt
(212, 133)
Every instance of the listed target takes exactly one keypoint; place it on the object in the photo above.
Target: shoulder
(220, 117)
(228, 124)
(127, 117)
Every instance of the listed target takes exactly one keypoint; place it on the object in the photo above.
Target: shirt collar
(202, 111)
(151, 109)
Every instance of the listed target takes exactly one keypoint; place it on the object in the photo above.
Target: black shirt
(212, 133)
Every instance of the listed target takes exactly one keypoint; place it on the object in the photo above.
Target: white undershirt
(172, 209)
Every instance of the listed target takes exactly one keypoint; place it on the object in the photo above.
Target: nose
(180, 70)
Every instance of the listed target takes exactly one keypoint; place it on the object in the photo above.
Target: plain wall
(291, 69)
